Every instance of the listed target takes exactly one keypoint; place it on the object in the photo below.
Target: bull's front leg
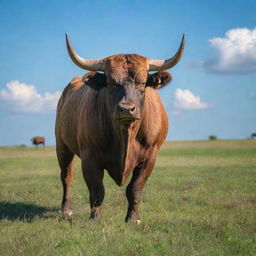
(93, 175)
(135, 187)
(65, 158)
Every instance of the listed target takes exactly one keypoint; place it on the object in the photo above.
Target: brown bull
(38, 140)
(115, 121)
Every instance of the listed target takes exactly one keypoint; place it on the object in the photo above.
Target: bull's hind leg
(93, 175)
(135, 187)
(65, 158)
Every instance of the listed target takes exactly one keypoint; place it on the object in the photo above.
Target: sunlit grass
(199, 200)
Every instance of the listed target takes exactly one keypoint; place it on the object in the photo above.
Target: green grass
(199, 200)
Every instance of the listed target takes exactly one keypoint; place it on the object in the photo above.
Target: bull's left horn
(160, 65)
(91, 65)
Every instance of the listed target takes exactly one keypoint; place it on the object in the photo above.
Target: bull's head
(127, 77)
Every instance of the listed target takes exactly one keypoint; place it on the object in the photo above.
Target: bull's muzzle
(127, 112)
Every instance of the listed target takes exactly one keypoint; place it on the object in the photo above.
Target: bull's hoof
(67, 209)
(95, 218)
(95, 214)
(68, 212)
(133, 221)
(133, 217)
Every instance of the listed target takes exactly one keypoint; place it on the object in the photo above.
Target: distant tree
(253, 135)
(213, 137)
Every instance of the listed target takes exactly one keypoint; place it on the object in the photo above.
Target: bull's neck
(129, 146)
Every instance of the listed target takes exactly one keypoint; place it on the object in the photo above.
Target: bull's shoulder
(77, 82)
(154, 124)
(91, 80)
(152, 99)
(78, 88)
(94, 80)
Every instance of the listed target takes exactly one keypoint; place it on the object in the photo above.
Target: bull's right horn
(160, 65)
(91, 65)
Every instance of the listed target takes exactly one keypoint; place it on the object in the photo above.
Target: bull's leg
(65, 158)
(93, 176)
(135, 187)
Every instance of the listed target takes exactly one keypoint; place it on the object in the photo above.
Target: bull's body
(85, 125)
(113, 121)
(38, 140)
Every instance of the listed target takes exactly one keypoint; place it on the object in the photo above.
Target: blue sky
(213, 89)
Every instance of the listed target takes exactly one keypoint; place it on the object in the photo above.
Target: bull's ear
(159, 79)
(95, 80)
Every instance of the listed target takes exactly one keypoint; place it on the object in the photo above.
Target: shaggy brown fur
(86, 125)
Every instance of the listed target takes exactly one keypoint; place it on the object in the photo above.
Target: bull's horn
(159, 65)
(91, 65)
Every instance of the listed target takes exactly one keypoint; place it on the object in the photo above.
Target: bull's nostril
(121, 109)
(126, 108)
(132, 109)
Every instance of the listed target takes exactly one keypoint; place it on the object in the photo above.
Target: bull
(38, 140)
(113, 121)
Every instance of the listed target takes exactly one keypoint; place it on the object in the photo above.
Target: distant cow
(253, 135)
(113, 121)
(38, 140)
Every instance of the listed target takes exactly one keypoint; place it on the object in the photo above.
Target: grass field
(199, 200)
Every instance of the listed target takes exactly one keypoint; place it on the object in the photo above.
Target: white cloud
(24, 98)
(252, 94)
(235, 53)
(185, 99)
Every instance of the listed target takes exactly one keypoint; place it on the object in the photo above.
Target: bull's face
(127, 78)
